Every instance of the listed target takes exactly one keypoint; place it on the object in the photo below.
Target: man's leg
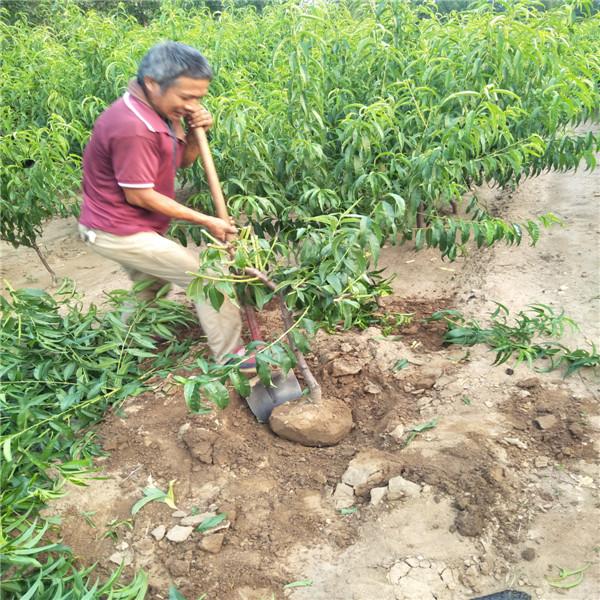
(163, 259)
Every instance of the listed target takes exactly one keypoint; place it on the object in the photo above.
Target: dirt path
(488, 500)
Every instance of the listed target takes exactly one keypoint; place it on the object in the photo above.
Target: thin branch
(45, 263)
(311, 382)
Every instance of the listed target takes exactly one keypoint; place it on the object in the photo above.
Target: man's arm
(152, 200)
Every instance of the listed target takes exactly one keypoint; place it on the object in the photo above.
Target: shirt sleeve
(135, 161)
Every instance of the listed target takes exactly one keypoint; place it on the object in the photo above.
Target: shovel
(262, 399)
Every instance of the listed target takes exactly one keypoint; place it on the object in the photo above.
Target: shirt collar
(137, 102)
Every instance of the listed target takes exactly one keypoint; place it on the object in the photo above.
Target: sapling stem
(288, 322)
(45, 263)
(313, 385)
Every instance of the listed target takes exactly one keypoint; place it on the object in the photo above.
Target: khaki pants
(148, 255)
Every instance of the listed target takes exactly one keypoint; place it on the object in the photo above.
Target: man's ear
(151, 85)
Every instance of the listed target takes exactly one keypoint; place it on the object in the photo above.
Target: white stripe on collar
(128, 103)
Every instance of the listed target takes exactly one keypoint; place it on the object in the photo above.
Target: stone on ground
(546, 422)
(397, 572)
(212, 543)
(378, 494)
(194, 520)
(398, 487)
(397, 433)
(323, 423)
(367, 470)
(345, 366)
(125, 558)
(158, 533)
(343, 496)
(179, 534)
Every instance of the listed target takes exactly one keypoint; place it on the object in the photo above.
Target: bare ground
(501, 503)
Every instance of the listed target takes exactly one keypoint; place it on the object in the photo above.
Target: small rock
(377, 495)
(398, 487)
(122, 546)
(497, 473)
(343, 496)
(529, 383)
(231, 511)
(424, 401)
(528, 554)
(397, 572)
(516, 442)
(342, 366)
(472, 571)
(178, 514)
(194, 520)
(541, 461)
(212, 543)
(546, 422)
(576, 430)
(179, 534)
(424, 564)
(323, 423)
(158, 533)
(373, 389)
(412, 561)
(366, 471)
(397, 433)
(425, 382)
(449, 579)
(125, 558)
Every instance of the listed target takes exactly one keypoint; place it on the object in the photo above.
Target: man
(129, 168)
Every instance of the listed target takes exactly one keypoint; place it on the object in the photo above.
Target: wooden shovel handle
(221, 210)
(211, 175)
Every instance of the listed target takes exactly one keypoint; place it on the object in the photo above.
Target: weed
(519, 339)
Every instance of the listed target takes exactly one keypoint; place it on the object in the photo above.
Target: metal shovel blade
(263, 399)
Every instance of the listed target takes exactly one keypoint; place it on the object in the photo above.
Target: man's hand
(150, 199)
(219, 227)
(198, 116)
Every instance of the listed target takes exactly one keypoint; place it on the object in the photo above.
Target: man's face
(173, 103)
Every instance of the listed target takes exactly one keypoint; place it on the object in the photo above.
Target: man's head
(173, 76)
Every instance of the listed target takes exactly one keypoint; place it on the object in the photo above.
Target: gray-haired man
(129, 168)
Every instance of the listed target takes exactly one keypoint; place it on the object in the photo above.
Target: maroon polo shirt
(131, 147)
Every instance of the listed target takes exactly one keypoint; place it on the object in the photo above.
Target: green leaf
(400, 364)
(170, 496)
(297, 584)
(424, 426)
(348, 511)
(151, 494)
(216, 392)
(240, 383)
(211, 522)
(6, 450)
(175, 594)
(215, 297)
(419, 239)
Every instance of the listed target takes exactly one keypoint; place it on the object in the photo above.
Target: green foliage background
(318, 106)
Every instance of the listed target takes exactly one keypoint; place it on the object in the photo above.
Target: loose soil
(508, 470)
